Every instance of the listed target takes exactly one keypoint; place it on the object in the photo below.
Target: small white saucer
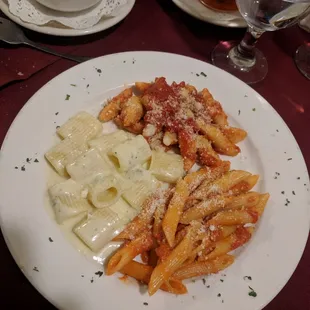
(199, 11)
(62, 31)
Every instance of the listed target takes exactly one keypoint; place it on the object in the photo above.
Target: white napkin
(31, 11)
(305, 23)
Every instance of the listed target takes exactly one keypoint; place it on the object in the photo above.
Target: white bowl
(68, 5)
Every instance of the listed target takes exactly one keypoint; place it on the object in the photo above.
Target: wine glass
(244, 60)
(302, 59)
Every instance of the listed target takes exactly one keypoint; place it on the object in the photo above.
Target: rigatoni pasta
(104, 191)
(65, 152)
(98, 229)
(106, 142)
(130, 153)
(83, 125)
(68, 200)
(167, 167)
(87, 165)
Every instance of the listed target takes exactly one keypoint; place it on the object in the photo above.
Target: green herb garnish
(252, 292)
(99, 273)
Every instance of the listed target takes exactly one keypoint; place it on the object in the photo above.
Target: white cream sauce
(67, 227)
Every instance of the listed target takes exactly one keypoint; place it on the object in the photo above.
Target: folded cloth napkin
(305, 23)
(22, 62)
(19, 63)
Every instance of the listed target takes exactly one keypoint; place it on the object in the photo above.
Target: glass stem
(247, 45)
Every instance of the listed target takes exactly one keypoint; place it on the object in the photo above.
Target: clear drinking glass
(243, 59)
(302, 59)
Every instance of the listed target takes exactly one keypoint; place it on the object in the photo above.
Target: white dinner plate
(65, 276)
(103, 24)
(226, 19)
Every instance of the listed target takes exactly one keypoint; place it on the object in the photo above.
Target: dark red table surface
(161, 26)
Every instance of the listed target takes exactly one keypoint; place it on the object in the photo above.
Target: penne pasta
(219, 141)
(205, 242)
(174, 211)
(138, 271)
(234, 217)
(143, 273)
(204, 209)
(202, 268)
(176, 258)
(245, 185)
(142, 86)
(191, 89)
(136, 129)
(178, 113)
(188, 149)
(144, 218)
(232, 242)
(214, 108)
(207, 155)
(132, 112)
(128, 252)
(260, 207)
(163, 251)
(248, 215)
(221, 185)
(113, 107)
(207, 207)
(207, 96)
(221, 232)
(235, 135)
(243, 201)
(205, 175)
(216, 234)
(157, 225)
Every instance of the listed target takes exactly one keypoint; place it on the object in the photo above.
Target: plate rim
(134, 53)
(216, 22)
(67, 32)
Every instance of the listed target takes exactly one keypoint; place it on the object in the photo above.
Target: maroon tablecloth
(159, 25)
